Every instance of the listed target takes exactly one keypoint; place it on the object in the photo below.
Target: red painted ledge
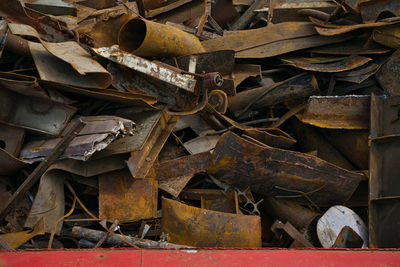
(202, 257)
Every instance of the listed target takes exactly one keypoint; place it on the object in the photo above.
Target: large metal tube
(147, 38)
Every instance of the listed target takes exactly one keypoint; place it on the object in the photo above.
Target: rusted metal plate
(141, 161)
(187, 225)
(272, 137)
(157, 11)
(246, 39)
(351, 48)
(384, 196)
(337, 112)
(174, 174)
(287, 10)
(272, 171)
(388, 36)
(213, 199)
(22, 84)
(326, 64)
(388, 76)
(147, 67)
(147, 38)
(123, 198)
(290, 45)
(360, 74)
(36, 114)
(10, 165)
(11, 139)
(340, 29)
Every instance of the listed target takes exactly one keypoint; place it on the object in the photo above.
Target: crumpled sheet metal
(388, 36)
(388, 76)
(96, 135)
(147, 38)
(123, 198)
(49, 201)
(337, 112)
(187, 225)
(35, 114)
(147, 67)
(278, 172)
(15, 240)
(22, 84)
(326, 64)
(173, 175)
(77, 67)
(274, 137)
(54, 7)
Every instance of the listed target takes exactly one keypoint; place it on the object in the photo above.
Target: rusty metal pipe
(147, 38)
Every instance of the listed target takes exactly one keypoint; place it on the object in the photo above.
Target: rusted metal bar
(147, 38)
(288, 228)
(248, 15)
(120, 240)
(42, 167)
(147, 67)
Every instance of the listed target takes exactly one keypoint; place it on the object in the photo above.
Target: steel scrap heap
(199, 123)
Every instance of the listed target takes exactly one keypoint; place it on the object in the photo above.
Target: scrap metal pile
(199, 123)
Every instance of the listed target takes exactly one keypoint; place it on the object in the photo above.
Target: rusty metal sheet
(360, 74)
(351, 48)
(22, 84)
(50, 28)
(179, 12)
(10, 165)
(213, 199)
(67, 58)
(15, 240)
(384, 196)
(242, 72)
(224, 13)
(353, 144)
(201, 144)
(287, 10)
(187, 225)
(326, 64)
(340, 29)
(371, 10)
(272, 137)
(53, 7)
(123, 198)
(136, 83)
(174, 174)
(147, 67)
(11, 139)
(291, 45)
(49, 201)
(272, 171)
(299, 86)
(310, 139)
(147, 38)
(137, 99)
(388, 76)
(248, 39)
(337, 112)
(141, 161)
(32, 113)
(98, 132)
(157, 11)
(388, 36)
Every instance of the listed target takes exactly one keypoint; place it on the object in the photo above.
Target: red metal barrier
(201, 257)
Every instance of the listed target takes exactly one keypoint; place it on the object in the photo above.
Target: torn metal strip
(147, 67)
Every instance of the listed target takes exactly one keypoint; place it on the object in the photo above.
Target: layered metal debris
(191, 123)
